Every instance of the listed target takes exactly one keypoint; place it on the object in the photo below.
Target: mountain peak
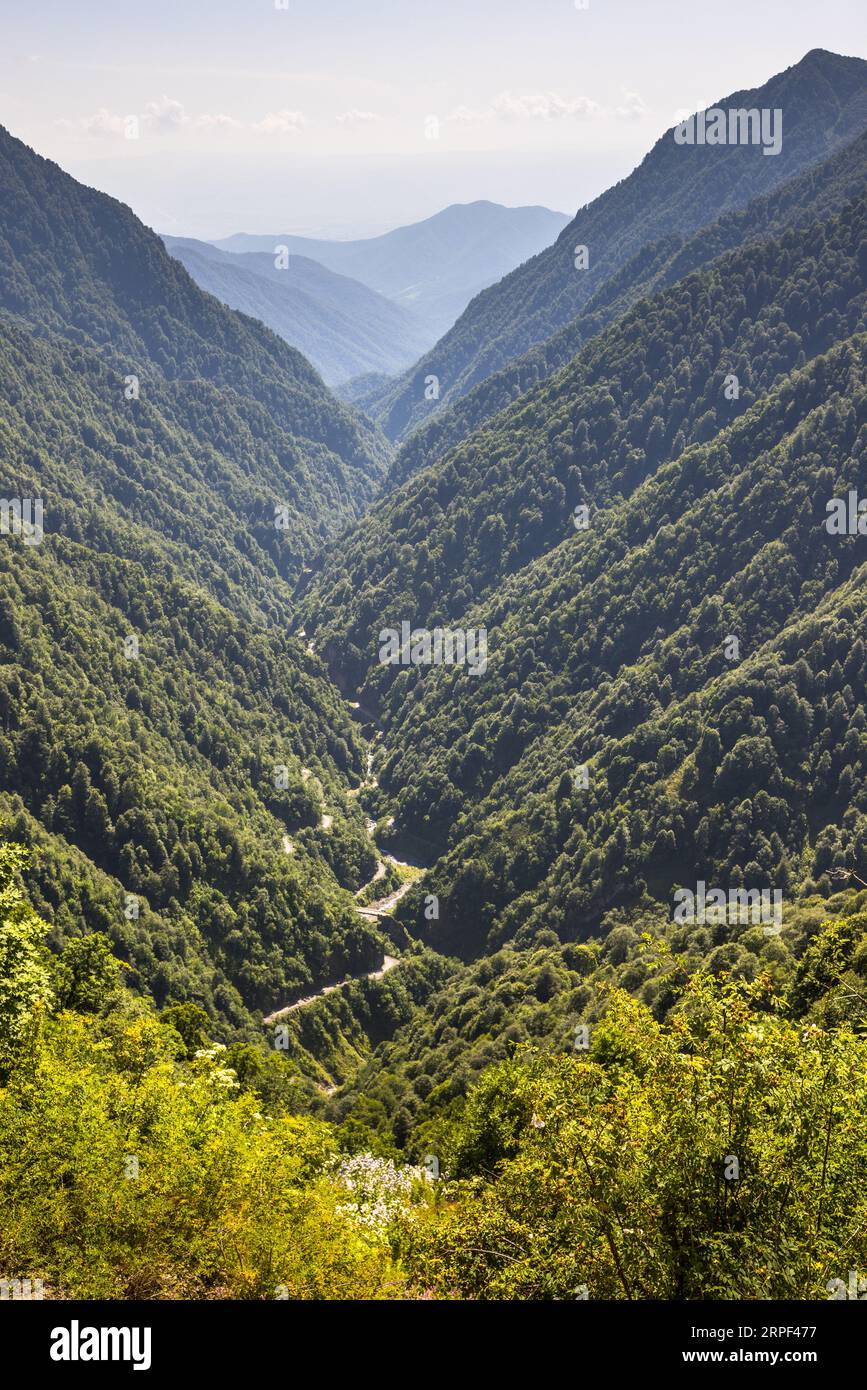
(827, 56)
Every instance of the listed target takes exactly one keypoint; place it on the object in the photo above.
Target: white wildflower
(377, 1190)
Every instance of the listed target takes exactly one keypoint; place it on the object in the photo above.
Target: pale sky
(347, 117)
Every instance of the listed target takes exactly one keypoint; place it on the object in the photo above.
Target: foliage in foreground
(718, 1156)
(132, 1164)
(125, 1176)
(714, 1153)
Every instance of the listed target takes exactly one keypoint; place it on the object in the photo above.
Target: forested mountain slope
(80, 265)
(804, 199)
(610, 647)
(632, 399)
(705, 760)
(155, 777)
(674, 191)
(179, 765)
(734, 766)
(344, 328)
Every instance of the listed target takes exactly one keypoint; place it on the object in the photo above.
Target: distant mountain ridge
(344, 328)
(433, 267)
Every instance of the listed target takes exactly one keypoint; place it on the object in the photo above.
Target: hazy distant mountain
(341, 326)
(434, 267)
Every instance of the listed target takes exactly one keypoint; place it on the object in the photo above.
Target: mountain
(324, 975)
(632, 399)
(696, 649)
(361, 389)
(433, 267)
(345, 329)
(180, 768)
(796, 203)
(616, 657)
(117, 291)
(676, 190)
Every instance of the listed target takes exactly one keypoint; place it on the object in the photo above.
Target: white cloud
(165, 116)
(541, 106)
(633, 108)
(282, 122)
(465, 115)
(526, 106)
(103, 122)
(356, 118)
(217, 122)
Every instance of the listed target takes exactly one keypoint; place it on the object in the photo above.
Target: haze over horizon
(253, 118)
